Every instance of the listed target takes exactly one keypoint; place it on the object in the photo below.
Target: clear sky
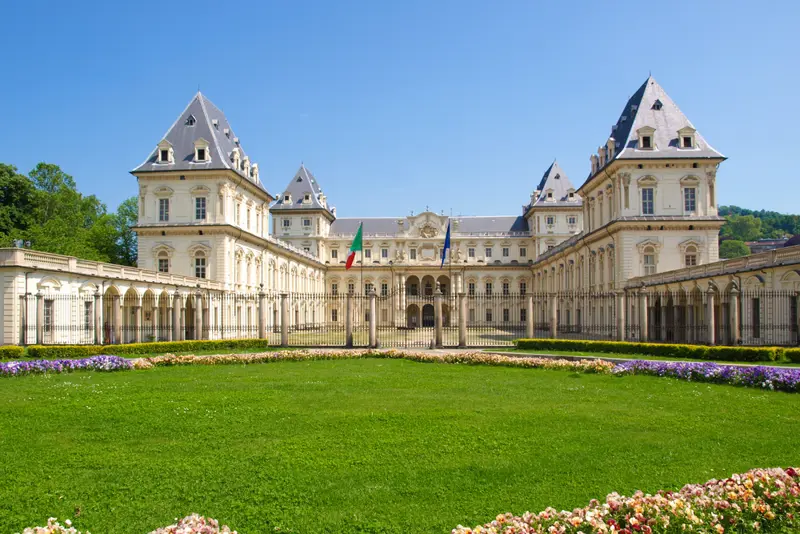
(399, 105)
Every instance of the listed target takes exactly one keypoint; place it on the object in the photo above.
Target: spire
(304, 193)
(554, 189)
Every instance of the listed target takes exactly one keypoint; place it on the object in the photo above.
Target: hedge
(793, 355)
(11, 352)
(49, 352)
(698, 352)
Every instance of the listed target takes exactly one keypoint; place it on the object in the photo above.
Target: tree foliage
(47, 209)
(732, 248)
(751, 225)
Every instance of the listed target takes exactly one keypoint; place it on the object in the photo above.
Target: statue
(428, 230)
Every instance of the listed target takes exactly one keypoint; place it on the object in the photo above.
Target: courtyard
(364, 445)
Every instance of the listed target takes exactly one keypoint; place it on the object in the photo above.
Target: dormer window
(287, 198)
(165, 153)
(647, 141)
(236, 158)
(201, 154)
(646, 137)
(190, 120)
(657, 105)
(686, 137)
(307, 198)
(227, 133)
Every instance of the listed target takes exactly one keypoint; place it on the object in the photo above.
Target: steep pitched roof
(200, 120)
(303, 182)
(556, 181)
(651, 106)
(467, 225)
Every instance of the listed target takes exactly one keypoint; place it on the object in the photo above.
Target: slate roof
(469, 225)
(642, 110)
(556, 179)
(303, 182)
(182, 136)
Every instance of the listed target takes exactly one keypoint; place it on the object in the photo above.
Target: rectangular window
(691, 260)
(523, 252)
(471, 252)
(200, 267)
(412, 254)
(351, 288)
(248, 219)
(647, 142)
(236, 211)
(471, 289)
(368, 287)
(523, 315)
(550, 220)
(48, 316)
(649, 264)
(334, 289)
(334, 316)
(334, 254)
(384, 289)
(690, 200)
(163, 209)
(505, 288)
(368, 253)
(165, 155)
(488, 252)
(488, 288)
(200, 208)
(201, 154)
(687, 142)
(87, 315)
(286, 223)
(307, 223)
(647, 201)
(505, 252)
(384, 253)
(756, 311)
(488, 315)
(572, 220)
(523, 288)
(163, 265)
(506, 315)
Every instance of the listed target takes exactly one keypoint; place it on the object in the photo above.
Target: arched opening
(188, 322)
(149, 316)
(412, 316)
(444, 284)
(412, 286)
(130, 319)
(428, 285)
(427, 316)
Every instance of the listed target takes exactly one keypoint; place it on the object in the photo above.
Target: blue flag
(446, 244)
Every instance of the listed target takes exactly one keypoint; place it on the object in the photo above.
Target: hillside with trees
(46, 209)
(750, 225)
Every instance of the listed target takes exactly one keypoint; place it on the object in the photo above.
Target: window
(523, 288)
(367, 253)
(550, 247)
(687, 141)
(690, 200)
(523, 252)
(647, 201)
(471, 289)
(488, 252)
(163, 209)
(505, 252)
(647, 141)
(384, 289)
(307, 249)
(334, 254)
(236, 212)
(48, 316)
(287, 198)
(384, 253)
(649, 261)
(488, 315)
(248, 218)
(307, 198)
(287, 223)
(87, 315)
(200, 208)
(412, 254)
(488, 288)
(690, 257)
(368, 288)
(334, 316)
(549, 195)
(163, 265)
(506, 315)
(505, 288)
(165, 155)
(572, 220)
(412, 289)
(550, 220)
(307, 222)
(351, 288)
(471, 252)
(334, 288)
(200, 267)
(657, 105)
(523, 315)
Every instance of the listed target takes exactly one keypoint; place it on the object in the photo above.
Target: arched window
(649, 260)
(690, 256)
(200, 264)
(163, 261)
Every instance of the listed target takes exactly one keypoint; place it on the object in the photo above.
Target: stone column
(437, 318)
(284, 319)
(39, 318)
(262, 314)
(529, 316)
(98, 320)
(644, 332)
(116, 309)
(177, 304)
(168, 318)
(155, 311)
(348, 321)
(23, 319)
(198, 315)
(462, 319)
(677, 331)
(373, 320)
(733, 313)
(554, 315)
(137, 321)
(712, 334)
(797, 307)
(621, 319)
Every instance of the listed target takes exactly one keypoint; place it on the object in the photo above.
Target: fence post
(710, 319)
(462, 319)
(553, 315)
(198, 315)
(733, 312)
(137, 313)
(529, 315)
(98, 320)
(284, 319)
(373, 327)
(621, 323)
(797, 318)
(39, 318)
(348, 320)
(168, 316)
(262, 313)
(644, 334)
(23, 321)
(437, 317)
(176, 316)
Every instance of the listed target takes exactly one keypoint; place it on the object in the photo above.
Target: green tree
(742, 228)
(17, 203)
(126, 217)
(732, 248)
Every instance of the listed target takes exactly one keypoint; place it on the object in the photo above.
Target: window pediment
(163, 192)
(642, 245)
(200, 190)
(648, 180)
(162, 249)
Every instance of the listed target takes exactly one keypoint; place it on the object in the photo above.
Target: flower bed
(761, 500)
(774, 378)
(95, 363)
(193, 524)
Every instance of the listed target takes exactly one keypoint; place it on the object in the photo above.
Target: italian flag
(356, 246)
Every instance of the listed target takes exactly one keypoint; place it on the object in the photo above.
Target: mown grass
(611, 355)
(367, 446)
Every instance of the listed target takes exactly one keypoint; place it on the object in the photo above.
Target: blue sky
(396, 106)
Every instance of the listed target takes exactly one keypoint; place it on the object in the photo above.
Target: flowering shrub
(761, 500)
(193, 524)
(95, 363)
(53, 527)
(775, 378)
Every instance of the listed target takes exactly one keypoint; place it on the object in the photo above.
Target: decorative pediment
(200, 190)
(163, 248)
(648, 243)
(197, 248)
(647, 180)
(690, 179)
(428, 230)
(689, 243)
(163, 191)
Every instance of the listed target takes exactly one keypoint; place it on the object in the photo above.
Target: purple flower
(94, 363)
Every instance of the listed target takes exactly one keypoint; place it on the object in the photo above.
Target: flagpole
(361, 227)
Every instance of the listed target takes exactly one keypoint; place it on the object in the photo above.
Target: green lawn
(368, 445)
